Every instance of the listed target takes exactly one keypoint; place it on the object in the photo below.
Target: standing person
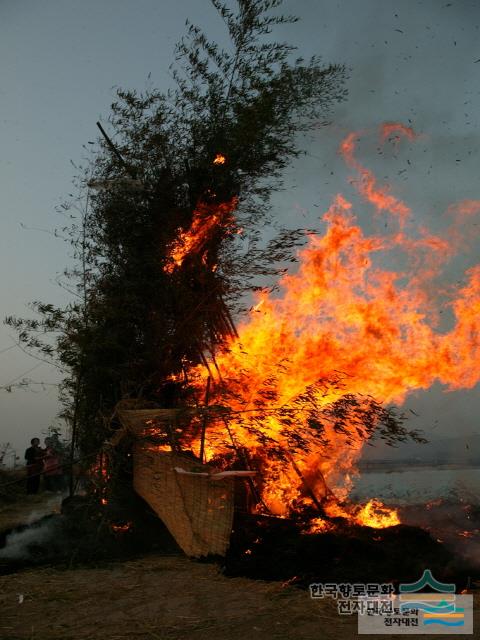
(52, 468)
(34, 458)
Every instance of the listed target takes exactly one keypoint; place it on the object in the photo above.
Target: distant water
(418, 485)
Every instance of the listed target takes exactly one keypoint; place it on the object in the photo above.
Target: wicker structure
(195, 503)
(197, 509)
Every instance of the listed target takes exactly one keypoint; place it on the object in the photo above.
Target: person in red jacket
(52, 468)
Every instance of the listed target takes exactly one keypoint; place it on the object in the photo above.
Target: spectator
(34, 457)
(52, 468)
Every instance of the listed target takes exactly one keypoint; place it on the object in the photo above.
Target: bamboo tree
(137, 321)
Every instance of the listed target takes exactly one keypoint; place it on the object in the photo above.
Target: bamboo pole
(309, 489)
(74, 435)
(205, 417)
(116, 152)
(241, 453)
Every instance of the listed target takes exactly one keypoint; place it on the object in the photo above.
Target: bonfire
(311, 374)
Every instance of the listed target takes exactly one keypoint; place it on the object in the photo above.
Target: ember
(468, 534)
(219, 159)
(121, 527)
(99, 477)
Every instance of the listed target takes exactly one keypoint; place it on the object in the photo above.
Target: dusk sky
(416, 62)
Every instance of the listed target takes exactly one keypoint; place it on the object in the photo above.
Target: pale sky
(412, 61)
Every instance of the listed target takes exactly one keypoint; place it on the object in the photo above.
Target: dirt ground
(157, 597)
(164, 598)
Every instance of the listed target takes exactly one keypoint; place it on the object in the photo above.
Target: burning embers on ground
(293, 393)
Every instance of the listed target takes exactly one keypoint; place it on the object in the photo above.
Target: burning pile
(293, 393)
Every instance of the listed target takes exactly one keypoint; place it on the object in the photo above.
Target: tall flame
(342, 311)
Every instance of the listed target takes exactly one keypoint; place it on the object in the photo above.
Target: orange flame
(343, 312)
(207, 219)
(319, 525)
(367, 185)
(375, 514)
(219, 159)
(372, 514)
(99, 476)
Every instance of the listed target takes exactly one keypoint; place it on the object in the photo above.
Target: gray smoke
(37, 528)
(21, 545)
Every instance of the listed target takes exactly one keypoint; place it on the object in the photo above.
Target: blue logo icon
(438, 608)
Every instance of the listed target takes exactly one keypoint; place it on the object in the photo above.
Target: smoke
(32, 538)
(455, 523)
(28, 543)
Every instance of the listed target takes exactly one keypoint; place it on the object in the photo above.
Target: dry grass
(162, 599)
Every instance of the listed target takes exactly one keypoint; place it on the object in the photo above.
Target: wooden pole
(74, 435)
(205, 417)
(116, 152)
(241, 453)
(309, 489)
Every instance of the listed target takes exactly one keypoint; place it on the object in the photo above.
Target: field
(163, 598)
(159, 596)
